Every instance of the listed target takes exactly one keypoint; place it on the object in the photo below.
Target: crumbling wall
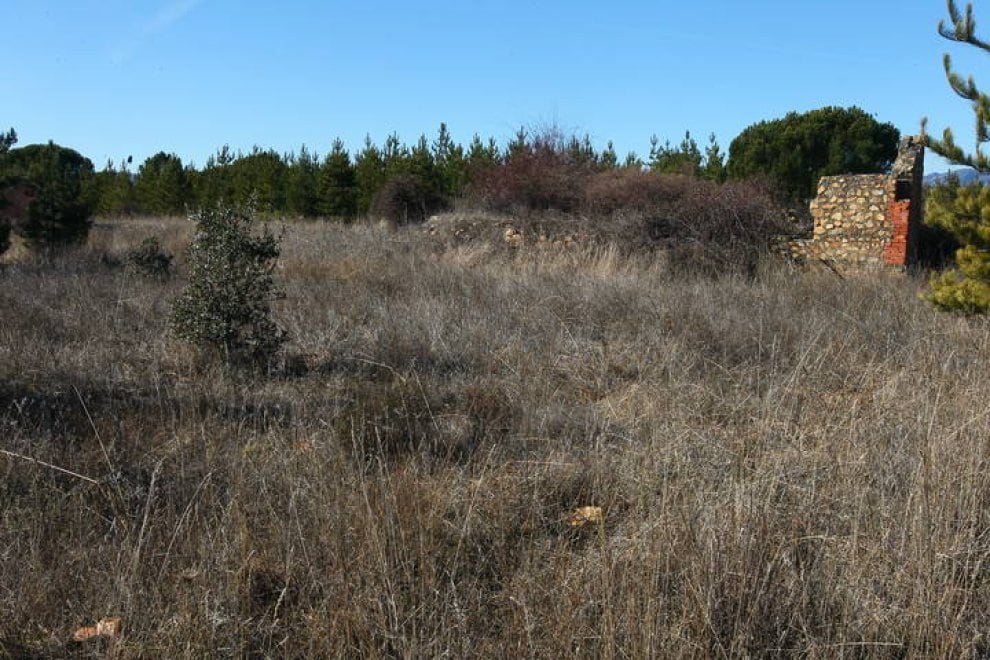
(906, 205)
(868, 222)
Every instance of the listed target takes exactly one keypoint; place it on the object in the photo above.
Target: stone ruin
(868, 222)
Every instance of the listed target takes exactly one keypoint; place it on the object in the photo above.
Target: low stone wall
(867, 222)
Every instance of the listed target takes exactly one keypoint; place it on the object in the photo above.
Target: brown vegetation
(785, 463)
(549, 191)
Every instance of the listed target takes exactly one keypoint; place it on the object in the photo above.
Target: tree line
(345, 185)
(793, 151)
(49, 192)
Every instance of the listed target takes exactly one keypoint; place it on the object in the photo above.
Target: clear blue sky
(113, 78)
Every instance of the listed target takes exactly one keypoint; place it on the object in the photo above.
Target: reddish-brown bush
(633, 189)
(541, 175)
(553, 189)
(703, 227)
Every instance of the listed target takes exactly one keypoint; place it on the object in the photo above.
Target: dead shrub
(404, 200)
(555, 192)
(539, 176)
(630, 189)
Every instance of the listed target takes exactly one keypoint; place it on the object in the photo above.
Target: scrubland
(788, 462)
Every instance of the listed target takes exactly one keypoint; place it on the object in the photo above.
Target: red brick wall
(899, 215)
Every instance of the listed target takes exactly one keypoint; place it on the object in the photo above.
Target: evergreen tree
(338, 191)
(163, 186)
(369, 174)
(714, 166)
(609, 160)
(963, 30)
(63, 193)
(259, 180)
(796, 151)
(7, 140)
(633, 161)
(964, 211)
(581, 152)
(423, 168)
(214, 183)
(519, 145)
(395, 156)
(482, 155)
(683, 159)
(301, 186)
(451, 164)
(116, 189)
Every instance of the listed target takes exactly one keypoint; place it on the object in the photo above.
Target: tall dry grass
(791, 464)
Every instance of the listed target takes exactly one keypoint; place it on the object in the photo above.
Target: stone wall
(868, 222)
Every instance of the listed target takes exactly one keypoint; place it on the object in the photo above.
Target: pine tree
(482, 155)
(7, 140)
(714, 166)
(519, 145)
(797, 150)
(963, 30)
(451, 164)
(683, 159)
(162, 186)
(338, 184)
(259, 180)
(420, 164)
(301, 196)
(581, 152)
(63, 193)
(369, 174)
(116, 189)
(964, 211)
(609, 160)
(395, 156)
(633, 161)
(214, 184)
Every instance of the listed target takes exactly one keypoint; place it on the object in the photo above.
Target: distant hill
(966, 175)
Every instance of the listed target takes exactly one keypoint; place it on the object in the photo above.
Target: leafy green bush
(227, 304)
(62, 183)
(149, 260)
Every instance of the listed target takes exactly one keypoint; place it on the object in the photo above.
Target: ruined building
(868, 222)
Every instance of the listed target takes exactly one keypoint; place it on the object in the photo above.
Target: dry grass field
(788, 464)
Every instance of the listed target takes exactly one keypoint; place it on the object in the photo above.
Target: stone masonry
(868, 222)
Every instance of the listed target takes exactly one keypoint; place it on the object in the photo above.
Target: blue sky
(113, 78)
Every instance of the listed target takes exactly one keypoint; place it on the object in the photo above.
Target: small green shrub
(227, 304)
(149, 260)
